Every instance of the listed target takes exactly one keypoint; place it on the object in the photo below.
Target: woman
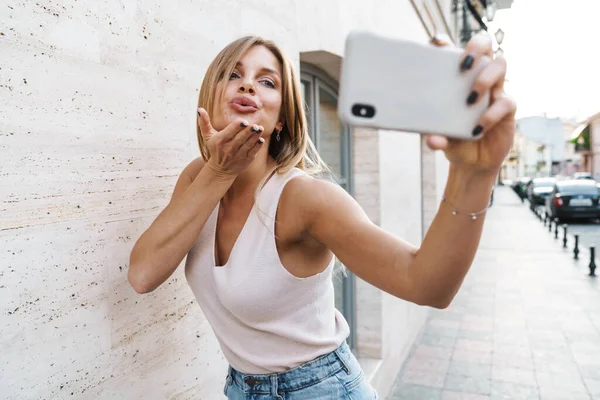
(261, 234)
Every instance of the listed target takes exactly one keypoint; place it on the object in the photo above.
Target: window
(333, 142)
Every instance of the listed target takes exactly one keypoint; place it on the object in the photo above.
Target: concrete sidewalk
(525, 325)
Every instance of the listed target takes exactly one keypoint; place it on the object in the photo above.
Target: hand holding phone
(401, 85)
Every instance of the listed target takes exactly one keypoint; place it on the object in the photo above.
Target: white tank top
(265, 319)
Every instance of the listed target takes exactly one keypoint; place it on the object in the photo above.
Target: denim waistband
(302, 376)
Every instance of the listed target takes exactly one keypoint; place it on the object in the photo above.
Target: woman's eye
(268, 83)
(234, 75)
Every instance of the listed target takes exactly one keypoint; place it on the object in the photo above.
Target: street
(524, 325)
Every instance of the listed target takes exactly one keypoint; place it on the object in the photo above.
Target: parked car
(573, 199)
(539, 189)
(583, 175)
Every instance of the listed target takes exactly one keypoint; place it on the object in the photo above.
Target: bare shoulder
(305, 199)
(306, 190)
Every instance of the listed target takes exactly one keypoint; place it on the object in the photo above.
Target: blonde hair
(295, 148)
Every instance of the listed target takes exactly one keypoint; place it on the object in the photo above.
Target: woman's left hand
(497, 123)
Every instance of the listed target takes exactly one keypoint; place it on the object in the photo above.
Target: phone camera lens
(363, 110)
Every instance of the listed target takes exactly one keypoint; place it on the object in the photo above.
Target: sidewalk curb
(584, 255)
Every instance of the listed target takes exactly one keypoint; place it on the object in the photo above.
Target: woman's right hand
(233, 148)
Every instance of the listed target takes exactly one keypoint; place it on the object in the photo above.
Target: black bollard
(565, 227)
(592, 261)
(550, 225)
(576, 248)
(555, 228)
(545, 218)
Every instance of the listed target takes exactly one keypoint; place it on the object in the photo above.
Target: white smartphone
(401, 85)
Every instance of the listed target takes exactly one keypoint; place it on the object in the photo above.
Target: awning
(577, 132)
(581, 138)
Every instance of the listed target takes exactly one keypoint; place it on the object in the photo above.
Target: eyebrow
(263, 69)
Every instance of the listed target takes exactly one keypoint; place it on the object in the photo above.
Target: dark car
(519, 185)
(539, 189)
(573, 199)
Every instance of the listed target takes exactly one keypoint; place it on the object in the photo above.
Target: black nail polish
(243, 124)
(252, 129)
(259, 131)
(467, 63)
(478, 129)
(472, 97)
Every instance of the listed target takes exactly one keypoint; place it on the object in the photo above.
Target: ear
(279, 126)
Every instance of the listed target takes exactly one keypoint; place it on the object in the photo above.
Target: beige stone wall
(99, 119)
(331, 132)
(366, 172)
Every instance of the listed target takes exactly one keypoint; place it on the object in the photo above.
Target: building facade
(573, 161)
(585, 138)
(540, 149)
(101, 100)
(592, 126)
(532, 153)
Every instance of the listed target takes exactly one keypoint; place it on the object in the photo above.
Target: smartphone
(401, 85)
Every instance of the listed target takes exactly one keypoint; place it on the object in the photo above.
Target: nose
(246, 87)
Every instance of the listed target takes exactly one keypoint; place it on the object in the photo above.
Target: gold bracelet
(472, 215)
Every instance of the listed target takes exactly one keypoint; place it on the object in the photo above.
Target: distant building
(545, 147)
(586, 140)
(573, 161)
(538, 149)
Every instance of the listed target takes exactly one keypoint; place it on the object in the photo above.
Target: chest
(240, 232)
(231, 224)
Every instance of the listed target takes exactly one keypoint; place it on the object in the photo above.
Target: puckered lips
(244, 105)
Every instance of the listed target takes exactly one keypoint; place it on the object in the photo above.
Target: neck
(247, 181)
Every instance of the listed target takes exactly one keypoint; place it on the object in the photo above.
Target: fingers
(240, 134)
(204, 122)
(436, 142)
(250, 141)
(248, 137)
(492, 76)
(479, 46)
(256, 147)
(503, 107)
(234, 129)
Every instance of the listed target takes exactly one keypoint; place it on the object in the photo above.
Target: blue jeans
(334, 376)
